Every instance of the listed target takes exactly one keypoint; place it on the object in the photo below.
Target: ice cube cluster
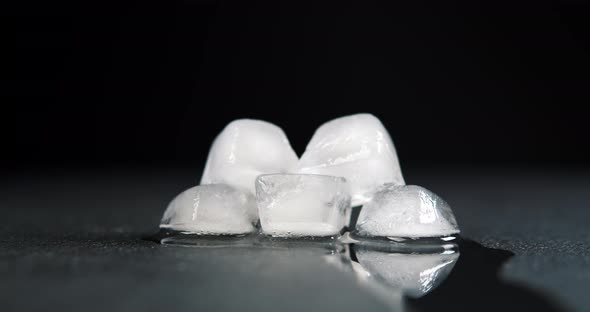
(254, 178)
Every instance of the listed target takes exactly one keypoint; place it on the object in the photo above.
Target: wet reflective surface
(475, 285)
(389, 270)
(75, 242)
(448, 273)
(414, 275)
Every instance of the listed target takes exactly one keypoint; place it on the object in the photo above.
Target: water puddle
(443, 274)
(474, 285)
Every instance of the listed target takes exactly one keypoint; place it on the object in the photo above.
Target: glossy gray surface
(74, 242)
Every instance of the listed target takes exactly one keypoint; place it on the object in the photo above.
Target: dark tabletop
(75, 241)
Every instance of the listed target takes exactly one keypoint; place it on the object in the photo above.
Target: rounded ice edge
(357, 147)
(402, 212)
(232, 160)
(211, 209)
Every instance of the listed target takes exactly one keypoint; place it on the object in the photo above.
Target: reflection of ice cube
(414, 274)
(214, 209)
(406, 211)
(355, 147)
(245, 149)
(302, 204)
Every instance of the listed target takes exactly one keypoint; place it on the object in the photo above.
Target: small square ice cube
(302, 204)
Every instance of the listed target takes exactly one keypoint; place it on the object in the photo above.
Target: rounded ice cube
(213, 209)
(356, 147)
(406, 211)
(245, 149)
(302, 204)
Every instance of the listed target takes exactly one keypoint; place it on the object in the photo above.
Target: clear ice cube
(245, 149)
(213, 209)
(302, 204)
(356, 147)
(406, 211)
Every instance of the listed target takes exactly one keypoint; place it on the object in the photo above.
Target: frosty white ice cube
(245, 149)
(302, 204)
(356, 147)
(406, 211)
(213, 209)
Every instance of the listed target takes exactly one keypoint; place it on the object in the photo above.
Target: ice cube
(356, 147)
(245, 149)
(302, 204)
(414, 274)
(406, 211)
(212, 209)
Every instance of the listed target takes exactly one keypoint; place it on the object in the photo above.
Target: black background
(150, 83)
(114, 86)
